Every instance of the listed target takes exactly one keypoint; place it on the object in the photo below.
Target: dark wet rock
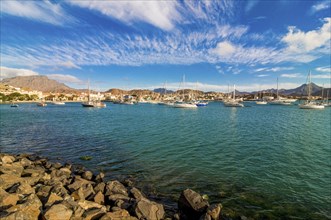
(214, 211)
(205, 217)
(58, 211)
(115, 187)
(99, 178)
(43, 192)
(146, 209)
(192, 204)
(135, 193)
(59, 190)
(88, 175)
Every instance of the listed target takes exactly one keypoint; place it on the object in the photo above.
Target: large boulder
(29, 208)
(146, 209)
(115, 187)
(58, 211)
(7, 199)
(8, 180)
(192, 204)
(6, 159)
(12, 169)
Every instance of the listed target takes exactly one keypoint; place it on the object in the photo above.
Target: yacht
(90, 103)
(184, 104)
(281, 101)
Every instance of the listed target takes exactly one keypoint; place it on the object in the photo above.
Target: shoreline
(33, 187)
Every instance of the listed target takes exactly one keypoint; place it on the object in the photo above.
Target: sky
(153, 44)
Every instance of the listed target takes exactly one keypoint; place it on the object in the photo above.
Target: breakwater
(32, 187)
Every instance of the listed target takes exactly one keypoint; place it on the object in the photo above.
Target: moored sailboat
(233, 102)
(309, 103)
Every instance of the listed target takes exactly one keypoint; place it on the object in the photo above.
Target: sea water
(262, 161)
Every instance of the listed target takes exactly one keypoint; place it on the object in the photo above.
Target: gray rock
(192, 204)
(149, 210)
(58, 211)
(115, 187)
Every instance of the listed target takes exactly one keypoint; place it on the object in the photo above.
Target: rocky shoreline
(32, 187)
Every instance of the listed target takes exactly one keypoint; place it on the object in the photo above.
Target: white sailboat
(233, 102)
(281, 101)
(261, 101)
(309, 103)
(184, 104)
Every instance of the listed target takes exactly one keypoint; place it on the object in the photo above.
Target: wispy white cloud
(291, 75)
(262, 75)
(321, 76)
(161, 14)
(228, 52)
(273, 69)
(326, 69)
(69, 64)
(42, 11)
(250, 5)
(224, 88)
(6, 72)
(320, 6)
(65, 78)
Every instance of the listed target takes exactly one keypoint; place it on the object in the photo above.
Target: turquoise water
(262, 161)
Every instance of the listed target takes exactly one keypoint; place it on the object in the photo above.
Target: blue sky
(143, 44)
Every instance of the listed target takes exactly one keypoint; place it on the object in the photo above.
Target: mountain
(40, 83)
(163, 91)
(302, 90)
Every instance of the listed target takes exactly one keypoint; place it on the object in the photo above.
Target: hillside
(40, 83)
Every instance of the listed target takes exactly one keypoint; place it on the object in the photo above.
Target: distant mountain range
(44, 84)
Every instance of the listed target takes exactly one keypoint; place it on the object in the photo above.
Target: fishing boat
(233, 102)
(309, 103)
(183, 104)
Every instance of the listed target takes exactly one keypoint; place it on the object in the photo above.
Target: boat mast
(88, 88)
(277, 89)
(234, 92)
(309, 85)
(183, 87)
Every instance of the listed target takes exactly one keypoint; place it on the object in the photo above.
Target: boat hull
(185, 105)
(305, 106)
(261, 103)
